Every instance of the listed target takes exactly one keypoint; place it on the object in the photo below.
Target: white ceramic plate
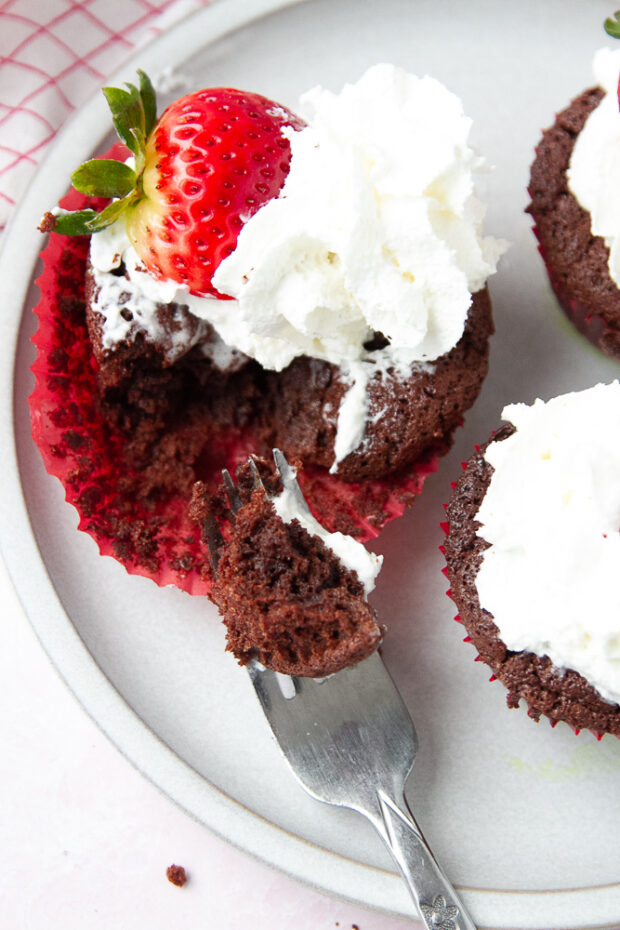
(524, 818)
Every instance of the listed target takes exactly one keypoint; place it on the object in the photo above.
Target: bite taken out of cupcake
(532, 552)
(291, 595)
(256, 279)
(575, 203)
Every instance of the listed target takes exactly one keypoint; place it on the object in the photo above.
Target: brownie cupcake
(573, 188)
(532, 552)
(256, 281)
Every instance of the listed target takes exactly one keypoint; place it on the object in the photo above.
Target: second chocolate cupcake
(574, 185)
(533, 550)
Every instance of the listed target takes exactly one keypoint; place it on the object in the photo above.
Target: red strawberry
(201, 171)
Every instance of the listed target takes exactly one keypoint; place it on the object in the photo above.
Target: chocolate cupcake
(263, 283)
(572, 189)
(532, 550)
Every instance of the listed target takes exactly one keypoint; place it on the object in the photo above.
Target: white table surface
(86, 839)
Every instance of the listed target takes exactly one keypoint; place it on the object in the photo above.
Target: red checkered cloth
(53, 56)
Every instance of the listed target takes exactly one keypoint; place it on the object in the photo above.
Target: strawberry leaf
(149, 102)
(103, 177)
(75, 223)
(134, 114)
(612, 26)
(109, 214)
(127, 115)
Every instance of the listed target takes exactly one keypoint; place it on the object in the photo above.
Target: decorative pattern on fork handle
(439, 915)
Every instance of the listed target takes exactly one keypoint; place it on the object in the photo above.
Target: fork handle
(433, 895)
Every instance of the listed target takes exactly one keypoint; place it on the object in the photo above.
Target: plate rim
(295, 856)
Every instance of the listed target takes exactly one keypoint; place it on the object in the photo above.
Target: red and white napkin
(53, 55)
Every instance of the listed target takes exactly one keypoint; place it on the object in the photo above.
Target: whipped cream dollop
(593, 174)
(377, 229)
(349, 551)
(552, 516)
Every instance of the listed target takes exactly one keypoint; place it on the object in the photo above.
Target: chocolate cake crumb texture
(285, 597)
(168, 410)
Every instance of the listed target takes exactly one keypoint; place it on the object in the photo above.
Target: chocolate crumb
(177, 875)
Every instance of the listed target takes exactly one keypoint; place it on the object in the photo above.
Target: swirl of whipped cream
(552, 516)
(594, 171)
(376, 229)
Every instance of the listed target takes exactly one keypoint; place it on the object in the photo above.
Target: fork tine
(272, 686)
(232, 493)
(289, 481)
(258, 481)
(211, 530)
(213, 537)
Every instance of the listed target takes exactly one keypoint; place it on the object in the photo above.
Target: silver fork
(349, 740)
